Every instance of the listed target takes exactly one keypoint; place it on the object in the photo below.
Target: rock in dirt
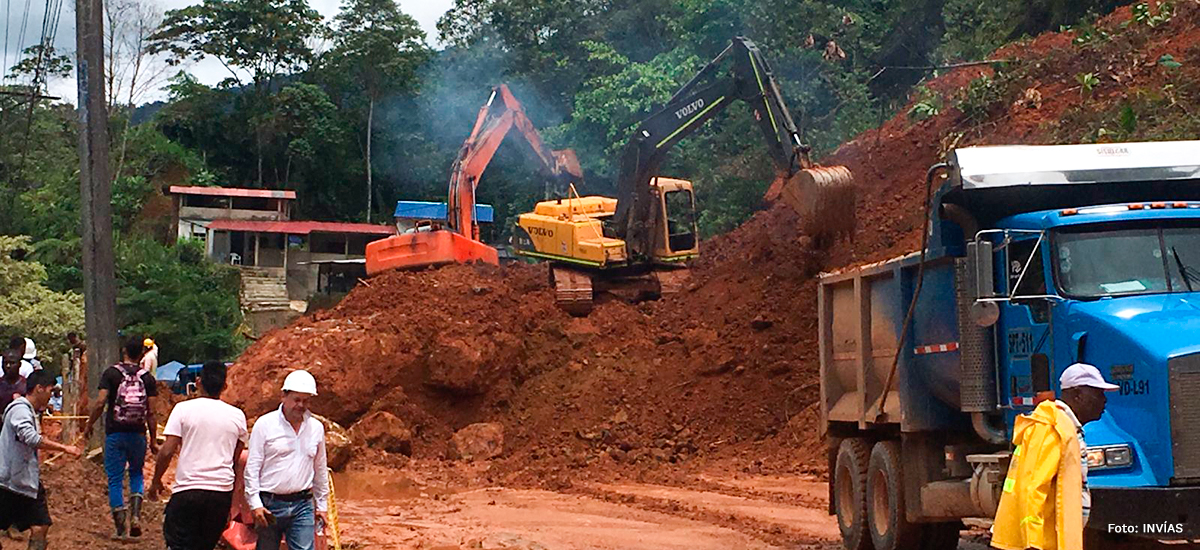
(383, 430)
(481, 441)
(338, 446)
(504, 541)
(761, 323)
(468, 366)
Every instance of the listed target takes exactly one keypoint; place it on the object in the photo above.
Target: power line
(24, 24)
(7, 9)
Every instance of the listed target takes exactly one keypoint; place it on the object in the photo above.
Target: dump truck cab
(1114, 285)
(1036, 258)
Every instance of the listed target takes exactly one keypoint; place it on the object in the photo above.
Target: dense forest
(359, 111)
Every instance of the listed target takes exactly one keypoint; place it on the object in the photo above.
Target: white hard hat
(300, 381)
(30, 349)
(1083, 374)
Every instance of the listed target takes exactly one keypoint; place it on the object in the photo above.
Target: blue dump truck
(1033, 258)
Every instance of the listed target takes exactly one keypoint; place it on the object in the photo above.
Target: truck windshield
(1092, 263)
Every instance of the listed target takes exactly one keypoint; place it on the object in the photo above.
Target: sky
(29, 13)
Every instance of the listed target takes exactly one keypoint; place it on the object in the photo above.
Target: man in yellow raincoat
(1045, 500)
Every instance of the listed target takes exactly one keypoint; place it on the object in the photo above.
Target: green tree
(31, 309)
(304, 122)
(188, 304)
(380, 48)
(265, 38)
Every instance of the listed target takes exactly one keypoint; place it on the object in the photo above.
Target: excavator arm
(492, 125)
(752, 81)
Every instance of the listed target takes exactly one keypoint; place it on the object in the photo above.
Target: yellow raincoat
(1042, 503)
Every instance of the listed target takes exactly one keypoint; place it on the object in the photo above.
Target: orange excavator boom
(461, 241)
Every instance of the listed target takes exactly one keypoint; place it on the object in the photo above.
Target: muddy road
(713, 512)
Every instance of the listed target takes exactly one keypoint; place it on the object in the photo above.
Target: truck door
(1024, 327)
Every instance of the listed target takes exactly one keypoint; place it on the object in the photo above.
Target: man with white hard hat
(1045, 500)
(287, 484)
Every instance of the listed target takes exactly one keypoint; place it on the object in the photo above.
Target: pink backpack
(132, 402)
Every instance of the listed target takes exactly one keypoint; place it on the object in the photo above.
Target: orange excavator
(456, 240)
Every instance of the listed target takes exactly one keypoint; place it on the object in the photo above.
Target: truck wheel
(940, 536)
(849, 484)
(890, 529)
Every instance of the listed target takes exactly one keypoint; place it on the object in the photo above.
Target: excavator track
(572, 290)
(672, 281)
(575, 290)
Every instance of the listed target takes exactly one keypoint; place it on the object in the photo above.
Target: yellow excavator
(637, 245)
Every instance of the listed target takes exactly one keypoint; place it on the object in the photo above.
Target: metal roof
(300, 228)
(995, 182)
(233, 192)
(1015, 165)
(422, 210)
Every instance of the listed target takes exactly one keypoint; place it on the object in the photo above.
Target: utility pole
(95, 186)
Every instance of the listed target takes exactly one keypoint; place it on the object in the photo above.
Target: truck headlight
(1118, 455)
(1109, 456)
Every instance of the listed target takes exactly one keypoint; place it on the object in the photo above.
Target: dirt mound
(729, 360)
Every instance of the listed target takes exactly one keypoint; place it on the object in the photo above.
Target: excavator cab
(678, 239)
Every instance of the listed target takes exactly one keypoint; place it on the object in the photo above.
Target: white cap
(300, 381)
(1083, 374)
(30, 349)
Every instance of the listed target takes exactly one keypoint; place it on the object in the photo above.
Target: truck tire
(886, 520)
(850, 493)
(940, 536)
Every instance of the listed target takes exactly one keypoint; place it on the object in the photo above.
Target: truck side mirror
(981, 283)
(985, 275)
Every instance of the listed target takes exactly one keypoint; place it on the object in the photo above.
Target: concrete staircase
(264, 289)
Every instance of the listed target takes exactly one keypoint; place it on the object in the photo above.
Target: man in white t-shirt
(209, 435)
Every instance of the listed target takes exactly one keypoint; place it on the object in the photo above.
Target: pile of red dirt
(725, 370)
(731, 359)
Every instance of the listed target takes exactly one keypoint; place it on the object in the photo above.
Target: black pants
(22, 512)
(195, 519)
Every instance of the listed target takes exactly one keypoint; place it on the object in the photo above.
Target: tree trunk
(370, 187)
(258, 152)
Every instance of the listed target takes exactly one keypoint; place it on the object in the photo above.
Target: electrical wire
(4, 68)
(21, 36)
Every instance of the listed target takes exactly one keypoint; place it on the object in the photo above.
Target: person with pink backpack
(125, 392)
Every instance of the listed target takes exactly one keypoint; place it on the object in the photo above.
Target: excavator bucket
(568, 163)
(824, 196)
(425, 249)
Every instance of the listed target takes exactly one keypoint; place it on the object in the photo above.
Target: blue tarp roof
(421, 210)
(170, 371)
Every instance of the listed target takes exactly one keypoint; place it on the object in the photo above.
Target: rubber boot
(135, 515)
(119, 516)
(37, 544)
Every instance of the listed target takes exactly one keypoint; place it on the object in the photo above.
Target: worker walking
(209, 435)
(125, 392)
(12, 384)
(286, 476)
(22, 496)
(150, 356)
(1045, 500)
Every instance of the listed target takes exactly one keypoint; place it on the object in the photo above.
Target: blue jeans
(294, 520)
(123, 450)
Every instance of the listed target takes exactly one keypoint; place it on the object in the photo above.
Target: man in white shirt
(286, 476)
(209, 434)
